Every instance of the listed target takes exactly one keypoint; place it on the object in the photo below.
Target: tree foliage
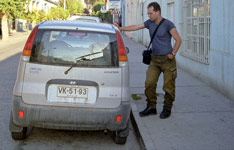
(42, 16)
(97, 5)
(97, 10)
(9, 8)
(31, 16)
(12, 8)
(73, 6)
(20, 9)
(92, 1)
(103, 16)
(57, 13)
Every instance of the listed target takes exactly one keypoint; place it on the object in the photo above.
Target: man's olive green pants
(157, 65)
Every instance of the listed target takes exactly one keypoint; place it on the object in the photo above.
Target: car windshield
(63, 47)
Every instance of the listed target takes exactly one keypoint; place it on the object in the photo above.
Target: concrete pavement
(202, 118)
(17, 37)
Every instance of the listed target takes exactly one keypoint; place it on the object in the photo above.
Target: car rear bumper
(70, 118)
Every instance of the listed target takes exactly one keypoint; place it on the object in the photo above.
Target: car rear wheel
(19, 135)
(120, 140)
(121, 136)
(14, 128)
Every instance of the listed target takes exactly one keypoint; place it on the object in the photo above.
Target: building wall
(131, 18)
(123, 8)
(219, 73)
(41, 5)
(134, 15)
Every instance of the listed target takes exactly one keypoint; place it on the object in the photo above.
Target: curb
(136, 129)
(141, 130)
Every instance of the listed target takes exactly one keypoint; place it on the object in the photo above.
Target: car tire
(13, 128)
(120, 140)
(19, 135)
(121, 136)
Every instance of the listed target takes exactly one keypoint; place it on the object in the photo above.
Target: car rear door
(95, 81)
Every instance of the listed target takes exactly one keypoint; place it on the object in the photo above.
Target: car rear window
(67, 47)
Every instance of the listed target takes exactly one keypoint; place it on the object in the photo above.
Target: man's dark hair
(155, 5)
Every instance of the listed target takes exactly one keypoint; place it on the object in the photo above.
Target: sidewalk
(202, 119)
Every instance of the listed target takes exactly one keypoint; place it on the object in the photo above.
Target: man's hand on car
(117, 25)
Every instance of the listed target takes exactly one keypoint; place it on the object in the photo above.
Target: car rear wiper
(79, 59)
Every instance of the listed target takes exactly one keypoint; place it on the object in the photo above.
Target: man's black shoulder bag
(147, 53)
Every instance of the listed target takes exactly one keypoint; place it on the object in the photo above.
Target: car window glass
(64, 46)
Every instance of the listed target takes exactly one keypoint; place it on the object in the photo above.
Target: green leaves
(73, 6)
(41, 16)
(97, 6)
(13, 8)
(58, 13)
(97, 10)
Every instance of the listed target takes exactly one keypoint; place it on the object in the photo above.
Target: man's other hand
(170, 56)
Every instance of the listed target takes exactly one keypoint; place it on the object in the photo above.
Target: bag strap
(155, 32)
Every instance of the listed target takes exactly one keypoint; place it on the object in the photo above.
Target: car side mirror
(127, 50)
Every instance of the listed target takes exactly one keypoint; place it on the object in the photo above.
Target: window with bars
(196, 30)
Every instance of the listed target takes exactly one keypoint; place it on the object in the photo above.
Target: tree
(9, 8)
(93, 1)
(97, 5)
(97, 10)
(56, 13)
(41, 16)
(73, 6)
(30, 17)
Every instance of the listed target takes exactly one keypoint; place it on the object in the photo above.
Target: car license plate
(74, 92)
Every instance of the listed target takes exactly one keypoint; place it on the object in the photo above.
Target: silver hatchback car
(73, 76)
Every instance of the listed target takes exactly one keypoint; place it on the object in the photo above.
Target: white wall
(219, 73)
(42, 5)
(131, 18)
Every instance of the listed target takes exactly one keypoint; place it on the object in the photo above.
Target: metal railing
(196, 30)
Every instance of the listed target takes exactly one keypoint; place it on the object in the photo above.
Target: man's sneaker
(165, 113)
(148, 111)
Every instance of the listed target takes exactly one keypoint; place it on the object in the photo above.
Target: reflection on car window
(85, 20)
(63, 47)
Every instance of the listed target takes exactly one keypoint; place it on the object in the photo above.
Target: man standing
(162, 60)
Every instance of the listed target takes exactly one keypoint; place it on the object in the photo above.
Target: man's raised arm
(130, 28)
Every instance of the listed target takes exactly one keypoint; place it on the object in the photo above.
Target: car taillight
(21, 114)
(121, 48)
(118, 119)
(28, 46)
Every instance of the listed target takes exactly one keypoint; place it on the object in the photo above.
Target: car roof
(73, 25)
(85, 17)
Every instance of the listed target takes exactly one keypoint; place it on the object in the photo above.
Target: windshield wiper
(78, 59)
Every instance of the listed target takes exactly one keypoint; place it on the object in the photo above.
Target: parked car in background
(75, 76)
(94, 19)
